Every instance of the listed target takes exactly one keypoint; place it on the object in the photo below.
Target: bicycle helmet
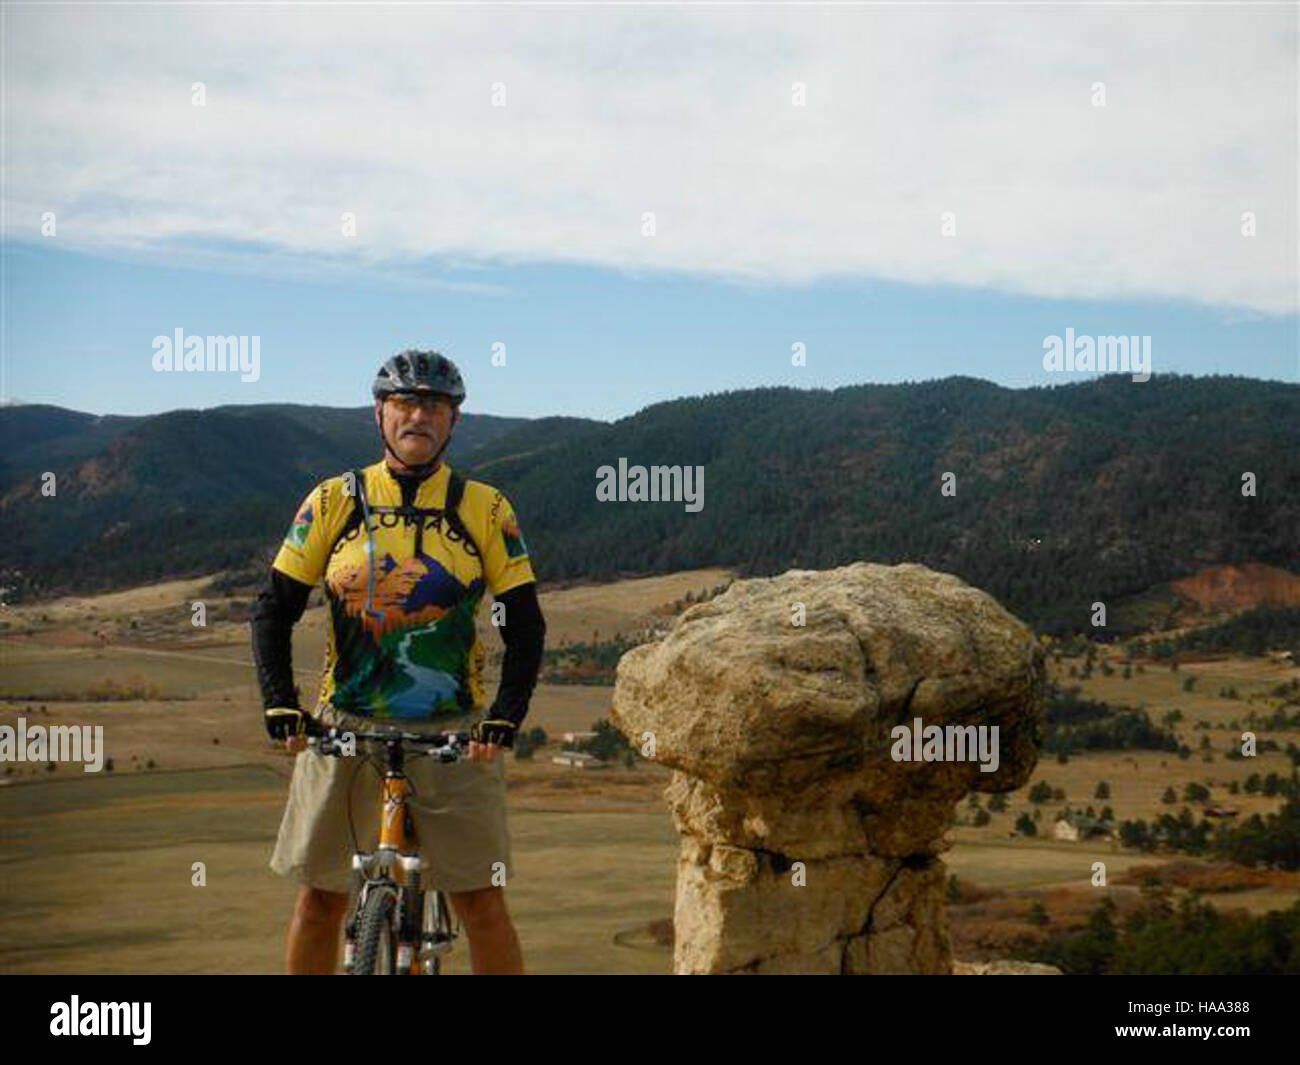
(411, 372)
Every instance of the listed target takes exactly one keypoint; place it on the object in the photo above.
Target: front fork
(413, 921)
(422, 932)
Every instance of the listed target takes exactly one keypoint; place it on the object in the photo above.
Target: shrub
(607, 743)
(1193, 939)
(1273, 842)
(1136, 834)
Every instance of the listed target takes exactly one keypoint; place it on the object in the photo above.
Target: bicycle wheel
(376, 944)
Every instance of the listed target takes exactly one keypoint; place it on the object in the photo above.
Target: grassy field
(97, 867)
(98, 879)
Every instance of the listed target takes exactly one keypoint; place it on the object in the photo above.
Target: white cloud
(385, 111)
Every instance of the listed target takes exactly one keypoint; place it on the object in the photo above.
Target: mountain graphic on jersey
(407, 658)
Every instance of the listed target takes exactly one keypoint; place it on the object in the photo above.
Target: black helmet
(411, 372)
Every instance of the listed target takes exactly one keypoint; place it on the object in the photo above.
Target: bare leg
(313, 947)
(493, 944)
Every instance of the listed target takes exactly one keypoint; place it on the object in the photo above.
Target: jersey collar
(432, 491)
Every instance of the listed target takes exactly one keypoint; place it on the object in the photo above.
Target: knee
(320, 907)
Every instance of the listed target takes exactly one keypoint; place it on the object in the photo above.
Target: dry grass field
(97, 867)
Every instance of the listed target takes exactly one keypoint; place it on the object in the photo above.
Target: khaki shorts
(459, 810)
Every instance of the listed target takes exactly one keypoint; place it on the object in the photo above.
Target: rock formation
(807, 847)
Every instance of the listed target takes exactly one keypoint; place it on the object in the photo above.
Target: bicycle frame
(419, 923)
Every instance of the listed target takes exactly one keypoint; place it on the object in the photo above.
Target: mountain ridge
(1063, 495)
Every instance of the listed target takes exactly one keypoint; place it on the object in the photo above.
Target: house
(1221, 811)
(1063, 829)
(1076, 826)
(577, 760)
(578, 737)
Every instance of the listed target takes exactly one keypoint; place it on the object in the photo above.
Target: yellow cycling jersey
(401, 641)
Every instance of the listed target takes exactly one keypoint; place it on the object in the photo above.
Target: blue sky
(798, 165)
(587, 342)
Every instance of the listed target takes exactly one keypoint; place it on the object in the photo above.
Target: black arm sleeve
(524, 633)
(277, 611)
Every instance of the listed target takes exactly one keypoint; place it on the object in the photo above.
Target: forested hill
(182, 493)
(1063, 496)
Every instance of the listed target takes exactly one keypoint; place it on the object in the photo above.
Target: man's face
(416, 426)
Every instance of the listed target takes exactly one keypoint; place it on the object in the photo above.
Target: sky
(638, 203)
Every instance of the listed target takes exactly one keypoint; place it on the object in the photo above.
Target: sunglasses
(430, 403)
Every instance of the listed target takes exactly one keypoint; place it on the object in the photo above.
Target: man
(404, 574)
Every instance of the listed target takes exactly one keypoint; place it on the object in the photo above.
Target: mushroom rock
(810, 834)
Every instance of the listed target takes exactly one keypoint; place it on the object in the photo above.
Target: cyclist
(405, 564)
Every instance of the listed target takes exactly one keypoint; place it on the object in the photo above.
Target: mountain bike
(396, 927)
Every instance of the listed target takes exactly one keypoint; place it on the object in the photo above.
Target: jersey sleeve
(304, 553)
(506, 563)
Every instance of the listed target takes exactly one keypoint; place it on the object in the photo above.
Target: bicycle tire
(376, 944)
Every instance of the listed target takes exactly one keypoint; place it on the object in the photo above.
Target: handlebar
(446, 746)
